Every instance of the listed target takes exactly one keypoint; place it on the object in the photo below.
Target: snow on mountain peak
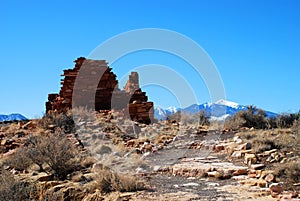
(227, 103)
(172, 109)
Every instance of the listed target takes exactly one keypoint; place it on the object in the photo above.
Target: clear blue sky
(254, 44)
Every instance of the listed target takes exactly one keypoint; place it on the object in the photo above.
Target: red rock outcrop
(78, 86)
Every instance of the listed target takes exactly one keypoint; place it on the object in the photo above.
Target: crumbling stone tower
(107, 94)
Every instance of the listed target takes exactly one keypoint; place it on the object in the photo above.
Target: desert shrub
(12, 189)
(176, 117)
(262, 144)
(199, 118)
(271, 122)
(252, 117)
(289, 172)
(64, 121)
(288, 141)
(108, 181)
(54, 150)
(296, 126)
(285, 120)
(248, 135)
(19, 160)
(57, 152)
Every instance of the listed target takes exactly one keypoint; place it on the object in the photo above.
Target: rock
(29, 125)
(237, 139)
(145, 155)
(250, 159)
(239, 177)
(240, 153)
(261, 183)
(213, 184)
(104, 150)
(126, 196)
(147, 147)
(270, 178)
(250, 182)
(130, 143)
(240, 172)
(267, 153)
(51, 126)
(275, 189)
(46, 178)
(257, 166)
(288, 196)
(190, 184)
(218, 148)
(215, 174)
(245, 146)
(4, 142)
(284, 160)
(236, 154)
(252, 175)
(156, 168)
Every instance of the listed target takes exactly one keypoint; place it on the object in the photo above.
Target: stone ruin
(79, 84)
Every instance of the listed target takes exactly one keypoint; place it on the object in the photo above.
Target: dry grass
(12, 189)
(19, 160)
(55, 120)
(263, 140)
(260, 145)
(289, 172)
(108, 181)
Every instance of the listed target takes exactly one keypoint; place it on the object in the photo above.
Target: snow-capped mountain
(160, 113)
(12, 117)
(219, 110)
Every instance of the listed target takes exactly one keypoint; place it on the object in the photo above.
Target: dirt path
(166, 186)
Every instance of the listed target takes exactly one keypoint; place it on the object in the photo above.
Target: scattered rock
(257, 166)
(190, 184)
(270, 178)
(275, 189)
(250, 159)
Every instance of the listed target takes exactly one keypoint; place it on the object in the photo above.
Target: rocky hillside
(104, 156)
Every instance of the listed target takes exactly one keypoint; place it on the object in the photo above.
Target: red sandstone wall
(107, 94)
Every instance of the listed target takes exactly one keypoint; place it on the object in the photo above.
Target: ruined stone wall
(106, 94)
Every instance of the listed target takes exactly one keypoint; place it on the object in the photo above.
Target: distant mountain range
(219, 110)
(12, 117)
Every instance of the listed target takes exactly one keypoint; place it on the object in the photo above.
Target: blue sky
(254, 44)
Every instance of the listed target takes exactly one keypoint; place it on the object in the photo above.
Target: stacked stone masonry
(79, 89)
